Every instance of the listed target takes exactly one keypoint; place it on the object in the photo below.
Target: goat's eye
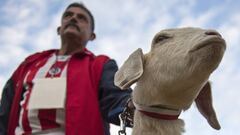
(161, 38)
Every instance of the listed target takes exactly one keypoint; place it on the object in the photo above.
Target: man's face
(76, 22)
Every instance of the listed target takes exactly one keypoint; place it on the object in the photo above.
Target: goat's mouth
(210, 41)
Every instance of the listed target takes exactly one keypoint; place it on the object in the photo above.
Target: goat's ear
(130, 71)
(205, 107)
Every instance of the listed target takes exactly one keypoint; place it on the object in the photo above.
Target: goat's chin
(206, 59)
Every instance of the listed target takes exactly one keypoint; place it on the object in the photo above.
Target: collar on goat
(158, 112)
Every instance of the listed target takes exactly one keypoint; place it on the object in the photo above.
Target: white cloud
(201, 20)
(12, 35)
(47, 37)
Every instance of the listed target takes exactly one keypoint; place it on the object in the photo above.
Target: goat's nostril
(212, 32)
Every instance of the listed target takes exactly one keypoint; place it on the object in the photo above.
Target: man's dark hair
(81, 5)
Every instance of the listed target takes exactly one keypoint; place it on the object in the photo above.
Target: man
(66, 91)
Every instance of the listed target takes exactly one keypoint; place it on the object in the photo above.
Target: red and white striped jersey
(42, 121)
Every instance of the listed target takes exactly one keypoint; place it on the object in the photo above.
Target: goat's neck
(145, 125)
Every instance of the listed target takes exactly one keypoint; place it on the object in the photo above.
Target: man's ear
(93, 36)
(58, 30)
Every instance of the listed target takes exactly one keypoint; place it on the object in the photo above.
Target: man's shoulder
(37, 55)
(101, 59)
(102, 56)
(29, 60)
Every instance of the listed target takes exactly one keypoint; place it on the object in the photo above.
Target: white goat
(171, 77)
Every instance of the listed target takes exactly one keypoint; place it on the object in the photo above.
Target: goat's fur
(173, 75)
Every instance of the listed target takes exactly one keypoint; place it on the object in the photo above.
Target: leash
(161, 112)
(126, 118)
(122, 130)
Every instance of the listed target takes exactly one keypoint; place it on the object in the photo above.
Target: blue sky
(28, 26)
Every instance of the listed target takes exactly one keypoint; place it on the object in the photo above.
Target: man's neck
(69, 48)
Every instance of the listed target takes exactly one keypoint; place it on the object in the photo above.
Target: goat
(170, 77)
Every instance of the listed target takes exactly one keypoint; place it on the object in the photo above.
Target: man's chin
(71, 34)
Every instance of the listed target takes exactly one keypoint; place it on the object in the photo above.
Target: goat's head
(175, 70)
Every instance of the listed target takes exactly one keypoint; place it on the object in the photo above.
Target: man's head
(77, 21)
(80, 5)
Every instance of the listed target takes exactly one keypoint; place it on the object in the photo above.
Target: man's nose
(74, 18)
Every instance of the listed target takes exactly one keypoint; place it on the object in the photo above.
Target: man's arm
(112, 99)
(5, 106)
